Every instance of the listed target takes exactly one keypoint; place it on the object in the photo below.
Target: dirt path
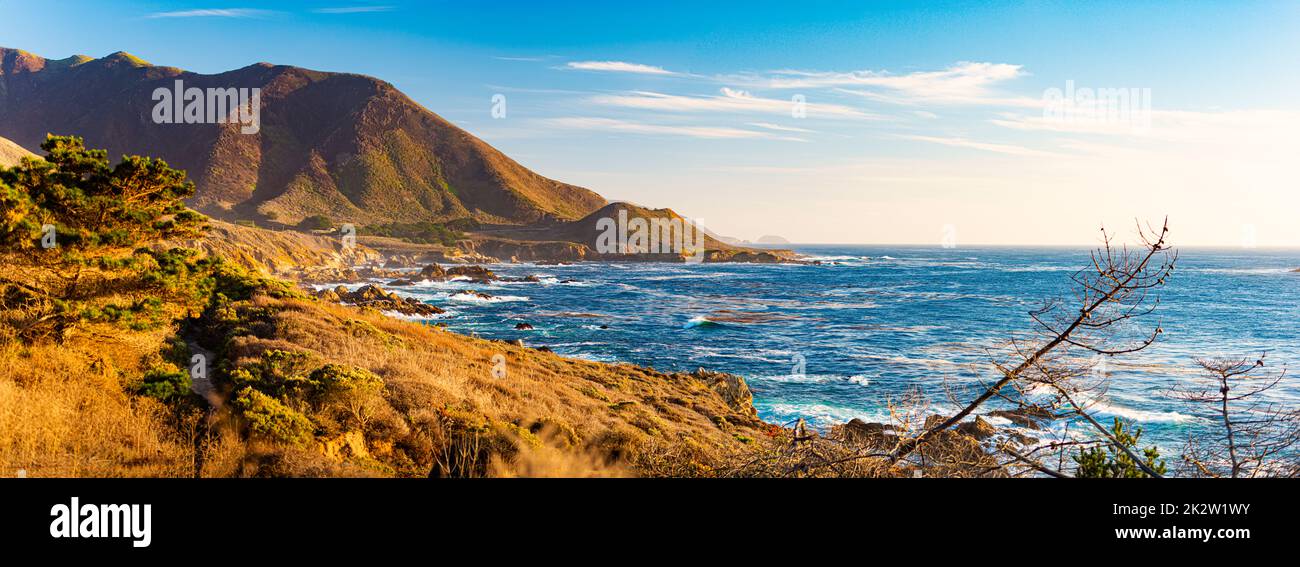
(203, 386)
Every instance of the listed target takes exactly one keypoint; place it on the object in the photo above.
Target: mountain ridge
(342, 145)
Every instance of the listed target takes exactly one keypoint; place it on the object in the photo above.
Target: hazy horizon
(885, 124)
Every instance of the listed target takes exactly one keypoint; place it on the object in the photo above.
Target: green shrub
(316, 222)
(270, 418)
(165, 383)
(337, 379)
(420, 233)
(1112, 462)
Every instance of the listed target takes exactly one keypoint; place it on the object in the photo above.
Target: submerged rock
(523, 327)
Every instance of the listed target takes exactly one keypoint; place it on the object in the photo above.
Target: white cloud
(354, 10)
(212, 13)
(730, 100)
(705, 132)
(963, 83)
(984, 146)
(618, 67)
(779, 128)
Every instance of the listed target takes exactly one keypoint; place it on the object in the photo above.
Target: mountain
(11, 153)
(350, 147)
(582, 239)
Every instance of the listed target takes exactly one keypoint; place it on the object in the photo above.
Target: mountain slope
(11, 153)
(347, 146)
(582, 239)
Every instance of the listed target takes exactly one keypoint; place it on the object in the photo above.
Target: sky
(820, 122)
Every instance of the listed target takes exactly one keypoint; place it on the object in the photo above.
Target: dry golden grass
(595, 418)
(64, 413)
(450, 404)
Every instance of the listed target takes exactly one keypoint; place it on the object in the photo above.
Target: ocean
(842, 340)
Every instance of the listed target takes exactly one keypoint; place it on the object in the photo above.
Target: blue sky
(920, 118)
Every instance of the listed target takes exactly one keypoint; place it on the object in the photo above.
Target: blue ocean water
(838, 341)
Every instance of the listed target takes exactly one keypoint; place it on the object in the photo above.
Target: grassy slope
(584, 412)
(66, 409)
(11, 153)
(278, 253)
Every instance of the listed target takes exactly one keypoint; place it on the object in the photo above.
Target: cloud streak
(730, 100)
(354, 10)
(962, 83)
(1007, 149)
(213, 13)
(626, 126)
(618, 67)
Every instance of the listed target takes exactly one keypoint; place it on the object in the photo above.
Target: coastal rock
(369, 293)
(433, 272)
(328, 274)
(379, 273)
(933, 421)
(376, 297)
(401, 283)
(1030, 417)
(329, 295)
(523, 327)
(469, 293)
(1022, 439)
(351, 444)
(400, 261)
(980, 429)
(733, 389)
(478, 274)
(863, 433)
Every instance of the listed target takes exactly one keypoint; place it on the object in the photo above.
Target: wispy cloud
(705, 132)
(354, 10)
(618, 67)
(778, 127)
(213, 13)
(983, 146)
(962, 83)
(524, 59)
(730, 100)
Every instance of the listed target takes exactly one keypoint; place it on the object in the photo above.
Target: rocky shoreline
(972, 440)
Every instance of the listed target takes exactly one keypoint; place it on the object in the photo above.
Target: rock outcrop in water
(375, 297)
